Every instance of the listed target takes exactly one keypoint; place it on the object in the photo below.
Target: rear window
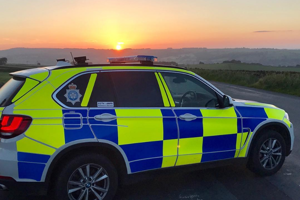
(9, 90)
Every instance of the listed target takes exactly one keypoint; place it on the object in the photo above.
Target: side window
(72, 93)
(103, 94)
(126, 89)
(189, 92)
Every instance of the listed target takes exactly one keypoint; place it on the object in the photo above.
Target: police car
(74, 131)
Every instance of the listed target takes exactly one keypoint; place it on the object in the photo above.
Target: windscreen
(9, 90)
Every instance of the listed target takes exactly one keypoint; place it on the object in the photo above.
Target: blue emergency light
(132, 59)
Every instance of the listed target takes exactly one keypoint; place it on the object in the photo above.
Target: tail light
(13, 125)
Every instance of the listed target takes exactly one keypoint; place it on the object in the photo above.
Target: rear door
(130, 110)
(206, 132)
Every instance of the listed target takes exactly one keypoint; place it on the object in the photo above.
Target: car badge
(73, 95)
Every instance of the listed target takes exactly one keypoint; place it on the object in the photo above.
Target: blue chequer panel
(170, 125)
(219, 143)
(189, 129)
(143, 150)
(104, 130)
(144, 165)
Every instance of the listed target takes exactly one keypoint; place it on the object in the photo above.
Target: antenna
(73, 58)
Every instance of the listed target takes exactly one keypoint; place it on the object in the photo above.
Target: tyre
(268, 153)
(86, 177)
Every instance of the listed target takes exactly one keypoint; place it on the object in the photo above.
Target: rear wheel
(268, 154)
(86, 177)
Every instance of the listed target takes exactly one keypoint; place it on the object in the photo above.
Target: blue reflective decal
(239, 125)
(219, 143)
(106, 132)
(143, 150)
(78, 134)
(252, 123)
(143, 165)
(170, 125)
(189, 129)
(255, 112)
(32, 157)
(31, 171)
(217, 156)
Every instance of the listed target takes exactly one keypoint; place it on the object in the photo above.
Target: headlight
(287, 116)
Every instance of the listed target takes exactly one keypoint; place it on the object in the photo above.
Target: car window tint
(103, 92)
(72, 93)
(188, 91)
(136, 89)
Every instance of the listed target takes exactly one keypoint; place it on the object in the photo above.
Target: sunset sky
(150, 24)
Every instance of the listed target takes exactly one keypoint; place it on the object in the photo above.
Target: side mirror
(227, 101)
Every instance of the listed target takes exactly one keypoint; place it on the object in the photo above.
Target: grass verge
(283, 82)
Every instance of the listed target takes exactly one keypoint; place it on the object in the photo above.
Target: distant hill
(272, 57)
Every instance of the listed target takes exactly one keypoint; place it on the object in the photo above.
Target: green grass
(243, 66)
(277, 81)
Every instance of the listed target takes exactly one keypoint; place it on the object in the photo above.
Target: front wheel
(86, 177)
(268, 153)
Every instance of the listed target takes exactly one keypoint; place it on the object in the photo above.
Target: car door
(206, 132)
(130, 110)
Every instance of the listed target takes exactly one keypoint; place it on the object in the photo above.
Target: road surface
(230, 182)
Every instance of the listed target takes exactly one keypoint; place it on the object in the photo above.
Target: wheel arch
(110, 150)
(271, 125)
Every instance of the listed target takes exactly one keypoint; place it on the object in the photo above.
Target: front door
(206, 132)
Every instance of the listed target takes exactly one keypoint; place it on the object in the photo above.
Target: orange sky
(150, 24)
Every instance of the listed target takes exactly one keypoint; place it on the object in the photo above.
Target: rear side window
(9, 90)
(126, 89)
(71, 94)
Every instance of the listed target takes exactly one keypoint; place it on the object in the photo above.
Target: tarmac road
(230, 182)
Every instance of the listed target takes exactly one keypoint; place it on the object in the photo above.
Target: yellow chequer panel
(27, 145)
(219, 126)
(43, 116)
(170, 147)
(190, 145)
(41, 99)
(139, 125)
(228, 112)
(274, 113)
(28, 85)
(169, 161)
(239, 138)
(188, 159)
(53, 135)
(243, 151)
(40, 76)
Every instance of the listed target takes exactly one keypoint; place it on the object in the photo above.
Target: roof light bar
(131, 59)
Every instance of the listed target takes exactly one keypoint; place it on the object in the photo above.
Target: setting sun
(119, 45)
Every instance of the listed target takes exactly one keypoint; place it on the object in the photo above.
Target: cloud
(270, 31)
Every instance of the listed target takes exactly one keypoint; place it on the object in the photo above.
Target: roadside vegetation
(277, 81)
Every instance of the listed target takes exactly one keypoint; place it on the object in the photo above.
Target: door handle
(187, 117)
(105, 117)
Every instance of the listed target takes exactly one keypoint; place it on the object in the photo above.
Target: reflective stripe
(89, 90)
(167, 90)
(162, 91)
(28, 85)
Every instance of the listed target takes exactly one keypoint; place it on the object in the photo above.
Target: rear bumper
(13, 188)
